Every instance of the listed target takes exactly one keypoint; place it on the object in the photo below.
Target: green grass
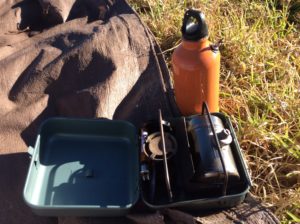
(260, 84)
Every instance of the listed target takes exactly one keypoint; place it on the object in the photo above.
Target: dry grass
(260, 84)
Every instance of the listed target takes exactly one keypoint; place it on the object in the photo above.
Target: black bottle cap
(196, 29)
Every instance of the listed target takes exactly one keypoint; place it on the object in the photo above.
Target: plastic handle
(192, 13)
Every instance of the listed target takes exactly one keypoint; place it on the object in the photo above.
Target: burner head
(154, 148)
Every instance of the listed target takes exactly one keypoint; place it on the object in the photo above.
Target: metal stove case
(87, 167)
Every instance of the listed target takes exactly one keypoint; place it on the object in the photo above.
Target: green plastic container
(90, 167)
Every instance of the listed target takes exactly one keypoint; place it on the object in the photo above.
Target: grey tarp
(71, 58)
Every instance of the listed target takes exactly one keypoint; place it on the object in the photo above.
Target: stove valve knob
(225, 137)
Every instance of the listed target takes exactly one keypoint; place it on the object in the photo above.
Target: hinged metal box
(90, 167)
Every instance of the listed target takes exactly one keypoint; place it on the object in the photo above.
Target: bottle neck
(193, 45)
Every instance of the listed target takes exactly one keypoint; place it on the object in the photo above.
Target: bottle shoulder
(204, 54)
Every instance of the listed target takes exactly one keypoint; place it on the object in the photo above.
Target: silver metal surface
(166, 168)
(145, 174)
(154, 149)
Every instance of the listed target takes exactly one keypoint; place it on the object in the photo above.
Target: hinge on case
(30, 151)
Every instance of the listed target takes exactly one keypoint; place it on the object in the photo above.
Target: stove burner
(154, 148)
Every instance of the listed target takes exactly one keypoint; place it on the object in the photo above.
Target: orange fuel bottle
(196, 67)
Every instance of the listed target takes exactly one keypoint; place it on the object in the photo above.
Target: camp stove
(88, 167)
(194, 155)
